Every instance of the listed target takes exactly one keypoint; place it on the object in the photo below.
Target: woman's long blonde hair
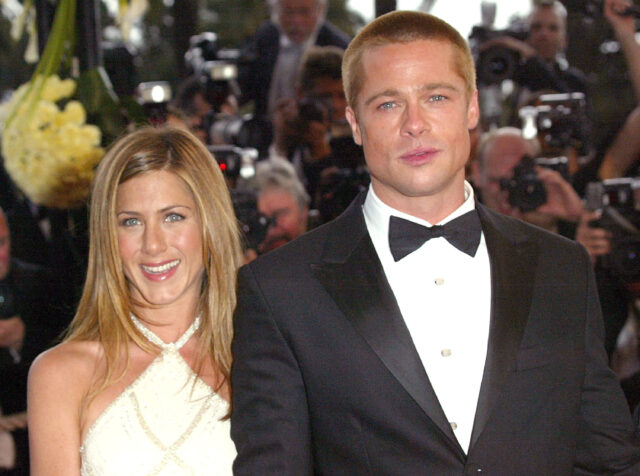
(105, 305)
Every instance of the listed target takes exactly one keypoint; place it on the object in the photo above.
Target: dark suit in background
(261, 53)
(34, 295)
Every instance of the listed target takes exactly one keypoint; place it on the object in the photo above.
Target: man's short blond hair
(403, 27)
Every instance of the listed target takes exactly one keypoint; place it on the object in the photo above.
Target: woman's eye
(129, 221)
(173, 217)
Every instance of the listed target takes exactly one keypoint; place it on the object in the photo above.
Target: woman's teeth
(162, 268)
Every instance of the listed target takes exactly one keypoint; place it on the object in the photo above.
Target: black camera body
(253, 224)
(561, 121)
(496, 63)
(235, 161)
(526, 190)
(244, 131)
(216, 67)
(619, 202)
(339, 189)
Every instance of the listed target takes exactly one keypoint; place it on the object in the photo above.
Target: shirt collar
(377, 213)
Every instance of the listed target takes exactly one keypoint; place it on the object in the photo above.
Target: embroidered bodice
(167, 422)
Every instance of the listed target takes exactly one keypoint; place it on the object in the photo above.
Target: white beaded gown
(162, 424)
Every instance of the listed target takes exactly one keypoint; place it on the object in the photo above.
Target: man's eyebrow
(423, 88)
(386, 92)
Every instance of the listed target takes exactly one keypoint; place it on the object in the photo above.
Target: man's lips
(419, 156)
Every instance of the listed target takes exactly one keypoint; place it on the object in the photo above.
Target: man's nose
(415, 121)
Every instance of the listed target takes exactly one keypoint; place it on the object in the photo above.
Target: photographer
(313, 133)
(543, 66)
(543, 197)
(282, 199)
(495, 176)
(197, 97)
(274, 53)
(534, 59)
(610, 233)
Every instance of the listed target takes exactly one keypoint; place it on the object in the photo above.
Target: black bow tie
(406, 236)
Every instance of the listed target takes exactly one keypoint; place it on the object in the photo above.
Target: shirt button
(439, 281)
(445, 352)
(454, 425)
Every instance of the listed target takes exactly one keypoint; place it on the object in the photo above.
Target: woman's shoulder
(71, 364)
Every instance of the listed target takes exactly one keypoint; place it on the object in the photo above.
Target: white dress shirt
(444, 296)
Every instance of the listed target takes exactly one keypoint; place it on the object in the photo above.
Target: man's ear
(355, 127)
(473, 111)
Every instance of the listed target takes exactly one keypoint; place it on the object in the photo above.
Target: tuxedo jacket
(326, 379)
(260, 56)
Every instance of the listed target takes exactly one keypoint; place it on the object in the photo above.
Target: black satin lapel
(512, 278)
(360, 289)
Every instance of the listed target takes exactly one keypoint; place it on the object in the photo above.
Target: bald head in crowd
(298, 19)
(499, 152)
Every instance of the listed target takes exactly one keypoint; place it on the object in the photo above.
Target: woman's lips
(160, 271)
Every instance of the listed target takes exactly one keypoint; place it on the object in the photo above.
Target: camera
(253, 224)
(309, 110)
(526, 191)
(235, 161)
(339, 189)
(246, 131)
(559, 120)
(217, 68)
(619, 202)
(154, 97)
(496, 63)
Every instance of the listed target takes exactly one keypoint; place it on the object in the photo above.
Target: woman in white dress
(141, 384)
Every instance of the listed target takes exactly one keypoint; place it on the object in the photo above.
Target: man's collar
(379, 211)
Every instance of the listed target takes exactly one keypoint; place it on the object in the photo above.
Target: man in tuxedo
(364, 347)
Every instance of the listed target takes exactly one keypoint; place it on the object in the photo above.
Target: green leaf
(96, 94)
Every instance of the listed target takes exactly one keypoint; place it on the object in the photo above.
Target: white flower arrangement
(49, 152)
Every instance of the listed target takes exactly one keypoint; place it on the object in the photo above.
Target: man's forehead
(506, 151)
(545, 15)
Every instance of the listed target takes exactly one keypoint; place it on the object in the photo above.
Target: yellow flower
(49, 153)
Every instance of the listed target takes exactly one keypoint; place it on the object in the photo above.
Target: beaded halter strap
(154, 339)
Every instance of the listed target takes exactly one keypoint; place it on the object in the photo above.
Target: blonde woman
(141, 383)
